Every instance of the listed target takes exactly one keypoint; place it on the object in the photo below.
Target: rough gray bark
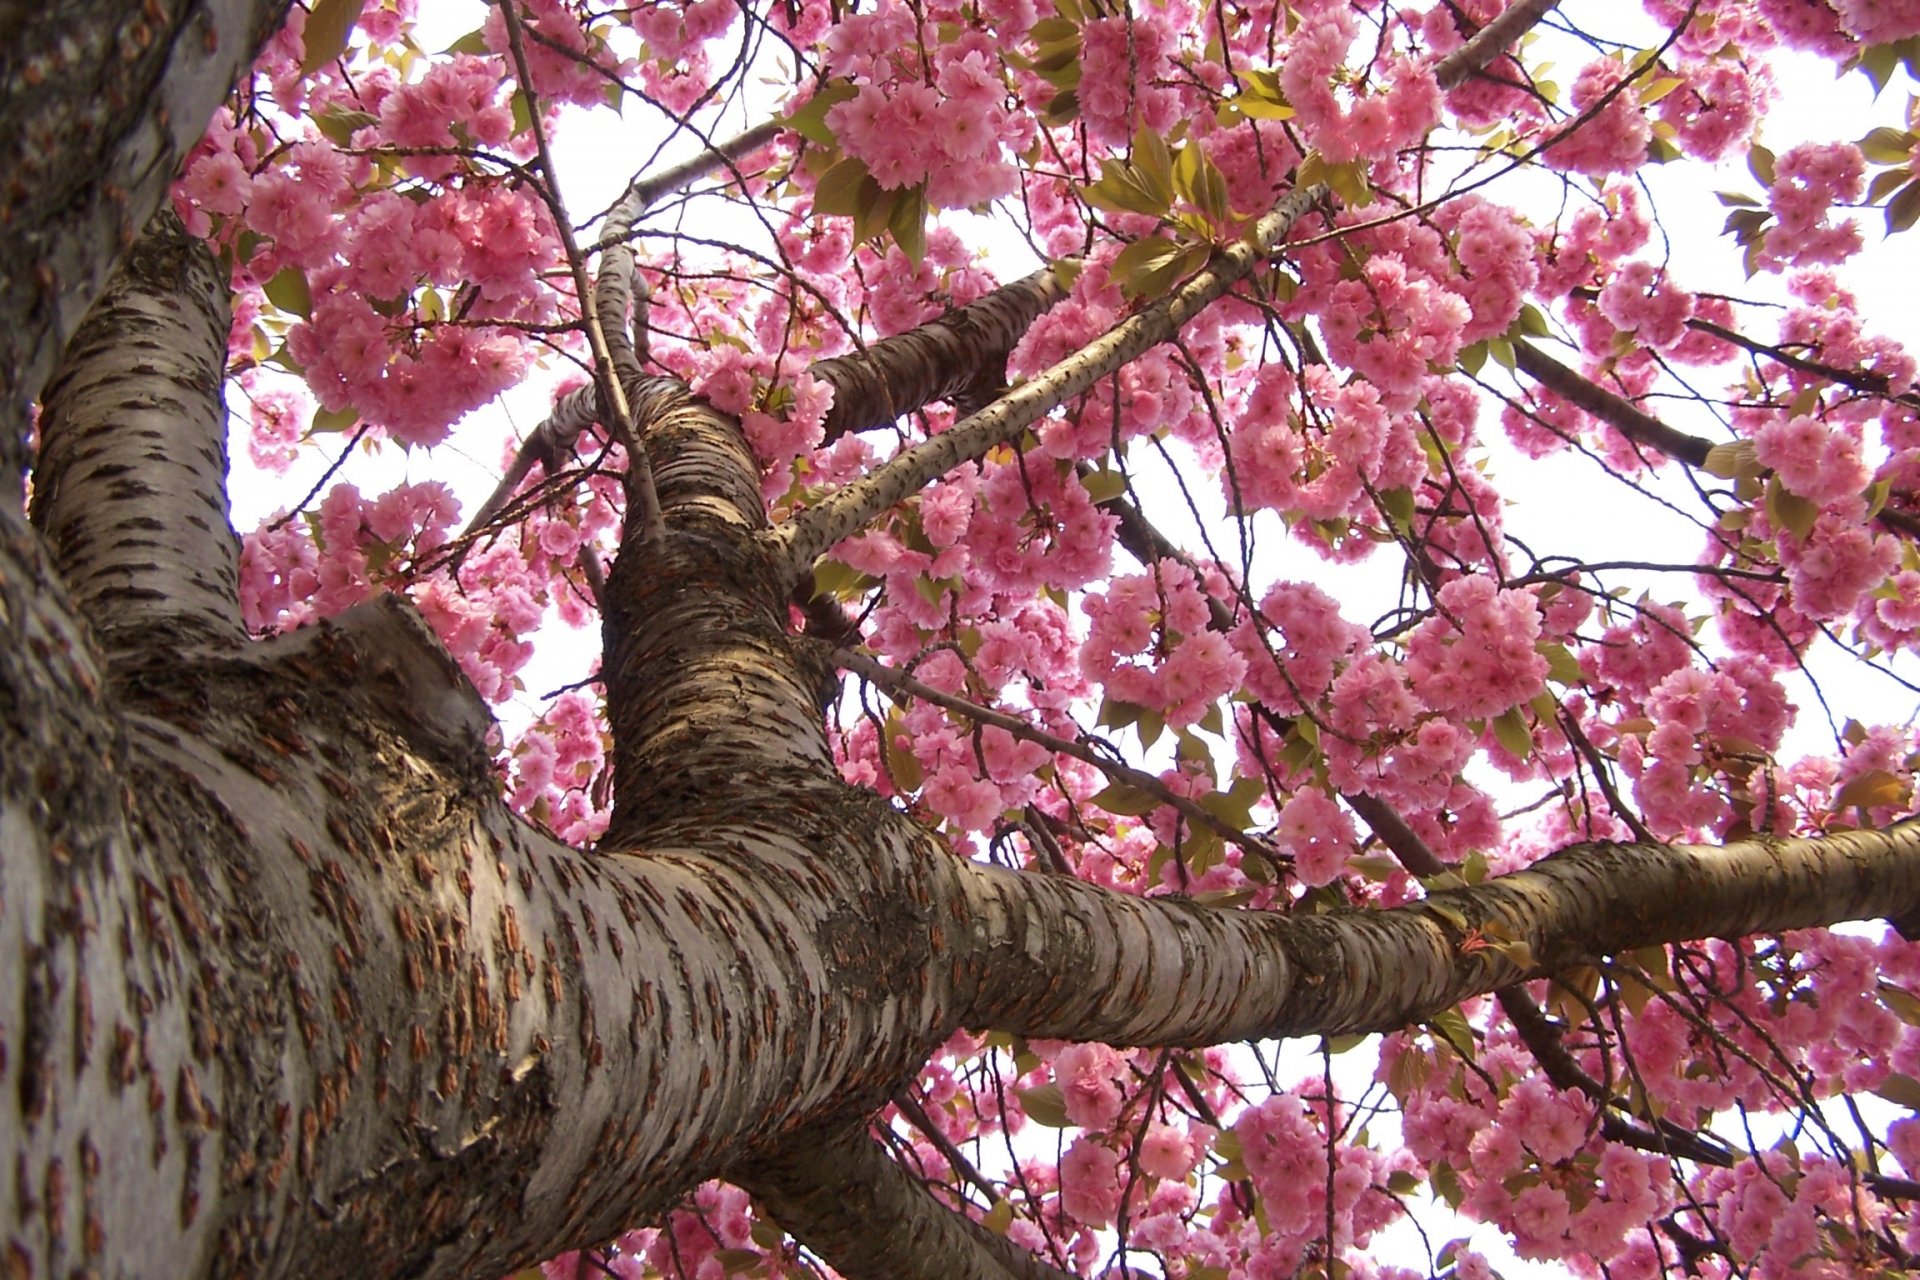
(285, 989)
(99, 102)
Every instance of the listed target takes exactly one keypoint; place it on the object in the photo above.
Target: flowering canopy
(1052, 680)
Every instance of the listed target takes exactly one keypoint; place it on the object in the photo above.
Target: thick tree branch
(99, 102)
(1228, 975)
(797, 542)
(1490, 42)
(1623, 415)
(1643, 429)
(131, 483)
(936, 361)
(843, 1197)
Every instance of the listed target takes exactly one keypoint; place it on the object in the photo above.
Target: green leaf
(1153, 165)
(288, 291)
(908, 225)
(338, 125)
(1903, 1004)
(1446, 1183)
(522, 113)
(1878, 62)
(1139, 261)
(1873, 788)
(838, 189)
(1733, 459)
(1120, 190)
(1044, 1104)
(474, 44)
(809, 120)
(1398, 505)
(902, 765)
(1126, 800)
(1886, 182)
(875, 211)
(1472, 358)
(1452, 1026)
(1789, 511)
(1887, 146)
(1103, 486)
(329, 27)
(834, 579)
(1062, 108)
(1760, 164)
(1561, 664)
(330, 420)
(1511, 731)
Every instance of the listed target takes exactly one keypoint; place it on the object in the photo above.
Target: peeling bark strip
(131, 483)
(1180, 974)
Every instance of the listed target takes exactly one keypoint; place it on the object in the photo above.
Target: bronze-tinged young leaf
(1760, 164)
(1887, 146)
(1904, 209)
(1902, 1003)
(329, 27)
(1886, 182)
(1901, 1090)
(1873, 789)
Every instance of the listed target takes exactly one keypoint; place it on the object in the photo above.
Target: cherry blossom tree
(984, 771)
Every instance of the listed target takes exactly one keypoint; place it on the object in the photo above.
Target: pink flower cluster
(948, 131)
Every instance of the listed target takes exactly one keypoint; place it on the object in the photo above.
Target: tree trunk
(289, 991)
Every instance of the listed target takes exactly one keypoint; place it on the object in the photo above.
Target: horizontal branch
(849, 1202)
(1490, 41)
(1623, 415)
(1171, 972)
(939, 360)
(845, 512)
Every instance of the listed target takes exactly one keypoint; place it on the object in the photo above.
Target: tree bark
(100, 100)
(289, 991)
